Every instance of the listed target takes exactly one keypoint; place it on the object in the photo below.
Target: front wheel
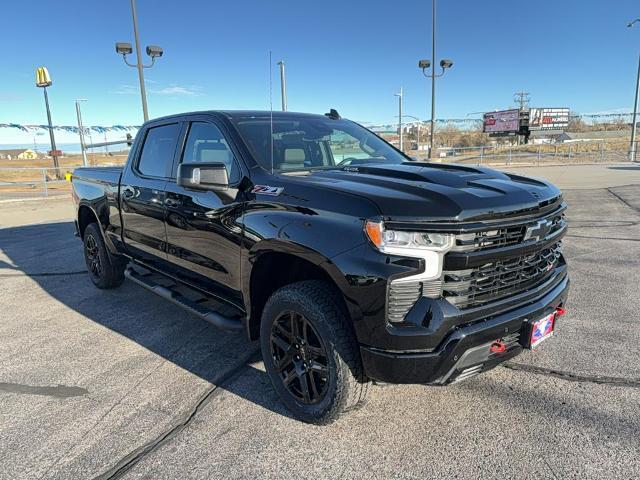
(310, 352)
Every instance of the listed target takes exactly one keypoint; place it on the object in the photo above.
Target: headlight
(398, 241)
(428, 246)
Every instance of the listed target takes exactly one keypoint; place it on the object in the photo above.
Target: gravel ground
(120, 383)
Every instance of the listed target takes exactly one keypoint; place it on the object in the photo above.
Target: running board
(225, 323)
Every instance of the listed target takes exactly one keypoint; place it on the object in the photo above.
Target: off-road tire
(109, 270)
(319, 304)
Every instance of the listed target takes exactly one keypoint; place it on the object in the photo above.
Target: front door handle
(128, 192)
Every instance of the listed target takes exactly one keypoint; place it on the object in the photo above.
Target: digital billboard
(505, 121)
(548, 118)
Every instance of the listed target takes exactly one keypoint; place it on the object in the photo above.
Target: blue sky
(352, 55)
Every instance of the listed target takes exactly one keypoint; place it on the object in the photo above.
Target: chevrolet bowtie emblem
(538, 231)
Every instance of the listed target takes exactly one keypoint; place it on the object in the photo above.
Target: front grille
(504, 236)
(495, 280)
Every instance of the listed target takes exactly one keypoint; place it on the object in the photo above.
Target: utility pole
(634, 126)
(522, 99)
(81, 131)
(399, 95)
(633, 147)
(283, 86)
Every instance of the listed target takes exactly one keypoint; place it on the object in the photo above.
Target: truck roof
(238, 114)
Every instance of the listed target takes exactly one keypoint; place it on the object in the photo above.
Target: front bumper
(465, 351)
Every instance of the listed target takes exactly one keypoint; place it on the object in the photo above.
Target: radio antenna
(271, 108)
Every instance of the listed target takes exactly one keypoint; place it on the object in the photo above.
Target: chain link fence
(532, 154)
(39, 181)
(31, 182)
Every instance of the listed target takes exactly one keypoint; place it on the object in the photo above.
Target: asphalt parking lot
(111, 384)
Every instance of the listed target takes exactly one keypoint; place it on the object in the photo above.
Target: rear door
(142, 192)
(204, 236)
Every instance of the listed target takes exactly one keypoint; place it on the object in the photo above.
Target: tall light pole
(43, 80)
(399, 95)
(81, 131)
(283, 86)
(433, 79)
(633, 146)
(152, 50)
(424, 64)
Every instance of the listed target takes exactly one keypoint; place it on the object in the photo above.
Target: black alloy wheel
(93, 256)
(300, 357)
(105, 270)
(310, 352)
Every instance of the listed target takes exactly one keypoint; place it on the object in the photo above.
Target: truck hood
(415, 191)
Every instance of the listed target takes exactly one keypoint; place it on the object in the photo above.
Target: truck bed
(105, 175)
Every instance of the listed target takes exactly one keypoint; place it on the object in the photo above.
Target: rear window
(158, 149)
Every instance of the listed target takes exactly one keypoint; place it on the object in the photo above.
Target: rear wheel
(105, 270)
(310, 352)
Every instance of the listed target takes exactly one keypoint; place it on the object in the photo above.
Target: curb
(50, 197)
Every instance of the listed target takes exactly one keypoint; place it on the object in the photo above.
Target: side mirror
(203, 176)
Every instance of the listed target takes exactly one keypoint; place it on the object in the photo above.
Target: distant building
(568, 137)
(19, 154)
(538, 137)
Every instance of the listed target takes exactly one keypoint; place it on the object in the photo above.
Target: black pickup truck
(346, 259)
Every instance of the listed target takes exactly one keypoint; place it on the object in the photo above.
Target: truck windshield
(308, 143)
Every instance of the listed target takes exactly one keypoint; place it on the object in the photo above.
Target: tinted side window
(205, 143)
(157, 151)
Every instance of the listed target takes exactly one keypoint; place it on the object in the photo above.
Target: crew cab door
(142, 192)
(204, 236)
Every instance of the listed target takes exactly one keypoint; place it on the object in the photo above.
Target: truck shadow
(51, 256)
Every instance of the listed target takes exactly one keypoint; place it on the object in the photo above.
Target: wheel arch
(86, 215)
(272, 264)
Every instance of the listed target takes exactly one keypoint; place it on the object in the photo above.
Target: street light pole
(399, 95)
(153, 51)
(433, 79)
(283, 86)
(143, 91)
(424, 65)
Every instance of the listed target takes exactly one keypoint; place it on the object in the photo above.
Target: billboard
(505, 121)
(548, 118)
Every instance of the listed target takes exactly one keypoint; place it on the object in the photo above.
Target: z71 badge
(267, 190)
